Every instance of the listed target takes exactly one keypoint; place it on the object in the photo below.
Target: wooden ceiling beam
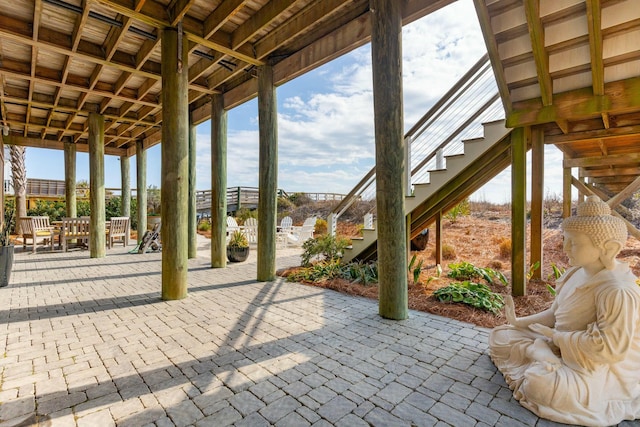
(66, 106)
(592, 136)
(602, 161)
(594, 22)
(265, 16)
(155, 14)
(596, 173)
(221, 16)
(179, 10)
(492, 48)
(541, 58)
(13, 29)
(104, 90)
(619, 98)
(56, 145)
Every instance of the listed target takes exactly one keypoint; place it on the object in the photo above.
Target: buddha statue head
(606, 232)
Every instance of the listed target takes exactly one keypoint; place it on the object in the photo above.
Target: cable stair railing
(451, 127)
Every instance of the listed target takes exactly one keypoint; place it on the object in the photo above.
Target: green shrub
(327, 246)
(204, 225)
(465, 270)
(359, 272)
(284, 204)
(474, 294)
(245, 213)
(355, 272)
(321, 227)
(458, 210)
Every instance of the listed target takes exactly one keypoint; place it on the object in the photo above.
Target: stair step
(455, 163)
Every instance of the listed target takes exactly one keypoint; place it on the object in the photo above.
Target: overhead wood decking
(572, 67)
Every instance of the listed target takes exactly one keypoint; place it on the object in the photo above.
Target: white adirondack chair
(304, 232)
(285, 232)
(251, 230)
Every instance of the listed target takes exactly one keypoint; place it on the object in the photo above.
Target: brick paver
(89, 342)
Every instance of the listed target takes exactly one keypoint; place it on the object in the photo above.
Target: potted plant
(238, 247)
(6, 249)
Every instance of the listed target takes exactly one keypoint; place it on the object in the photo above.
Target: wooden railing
(247, 197)
(237, 197)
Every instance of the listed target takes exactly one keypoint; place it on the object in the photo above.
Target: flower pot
(6, 263)
(235, 254)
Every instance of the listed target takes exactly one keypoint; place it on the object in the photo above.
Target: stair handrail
(463, 86)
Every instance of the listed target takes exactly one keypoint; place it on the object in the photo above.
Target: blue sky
(325, 118)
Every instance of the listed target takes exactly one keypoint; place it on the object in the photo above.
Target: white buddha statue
(578, 362)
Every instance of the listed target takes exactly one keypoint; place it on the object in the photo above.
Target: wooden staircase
(482, 160)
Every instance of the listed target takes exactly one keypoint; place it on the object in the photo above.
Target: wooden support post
(97, 236)
(537, 189)
(519, 138)
(192, 227)
(386, 52)
(125, 196)
(566, 190)
(141, 188)
(2, 177)
(70, 179)
(268, 174)
(175, 164)
(218, 182)
(439, 238)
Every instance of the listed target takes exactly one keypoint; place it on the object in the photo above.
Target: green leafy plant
(474, 294)
(532, 269)
(355, 272)
(467, 271)
(327, 247)
(557, 271)
(458, 210)
(359, 272)
(238, 240)
(204, 225)
(415, 269)
(5, 228)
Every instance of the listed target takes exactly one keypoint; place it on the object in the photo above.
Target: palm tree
(19, 174)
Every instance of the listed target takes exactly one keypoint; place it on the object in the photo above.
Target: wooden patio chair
(38, 229)
(76, 229)
(118, 231)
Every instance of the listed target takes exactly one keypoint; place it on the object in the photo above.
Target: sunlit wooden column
(97, 236)
(267, 174)
(566, 189)
(519, 138)
(386, 51)
(70, 179)
(192, 250)
(438, 227)
(175, 164)
(141, 187)
(218, 182)
(2, 177)
(537, 197)
(125, 176)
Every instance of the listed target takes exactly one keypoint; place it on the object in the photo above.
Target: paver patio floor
(89, 342)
